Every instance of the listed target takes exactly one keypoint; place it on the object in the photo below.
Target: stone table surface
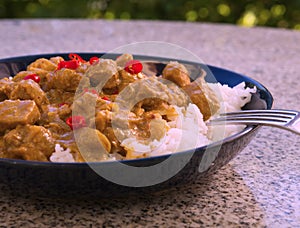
(259, 188)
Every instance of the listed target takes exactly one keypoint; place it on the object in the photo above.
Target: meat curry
(37, 105)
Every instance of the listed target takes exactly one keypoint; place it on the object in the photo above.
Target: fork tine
(261, 115)
(258, 116)
(248, 122)
(286, 119)
(278, 117)
(272, 112)
(252, 118)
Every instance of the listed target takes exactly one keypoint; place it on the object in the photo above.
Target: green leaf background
(270, 13)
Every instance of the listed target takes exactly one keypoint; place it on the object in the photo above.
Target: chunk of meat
(68, 80)
(115, 143)
(93, 145)
(113, 82)
(29, 142)
(203, 96)
(52, 121)
(22, 74)
(59, 96)
(6, 86)
(84, 105)
(14, 113)
(123, 59)
(56, 60)
(103, 119)
(151, 87)
(176, 73)
(42, 74)
(43, 68)
(127, 78)
(29, 90)
(150, 104)
(104, 74)
(44, 64)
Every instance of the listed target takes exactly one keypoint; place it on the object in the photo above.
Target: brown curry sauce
(33, 115)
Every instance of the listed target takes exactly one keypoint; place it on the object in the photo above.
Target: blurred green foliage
(272, 13)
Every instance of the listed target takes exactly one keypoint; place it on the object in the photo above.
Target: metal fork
(285, 119)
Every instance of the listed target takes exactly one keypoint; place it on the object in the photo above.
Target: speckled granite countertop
(259, 188)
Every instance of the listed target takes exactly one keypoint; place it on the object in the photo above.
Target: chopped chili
(76, 57)
(76, 122)
(105, 98)
(93, 60)
(133, 67)
(33, 77)
(71, 64)
(87, 90)
(62, 104)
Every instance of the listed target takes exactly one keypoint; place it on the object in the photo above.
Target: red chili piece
(76, 57)
(133, 67)
(76, 122)
(93, 91)
(71, 64)
(105, 98)
(93, 60)
(62, 104)
(33, 77)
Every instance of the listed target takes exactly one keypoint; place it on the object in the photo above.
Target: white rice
(61, 155)
(231, 100)
(188, 131)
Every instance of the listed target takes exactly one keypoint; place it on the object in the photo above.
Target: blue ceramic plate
(79, 179)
